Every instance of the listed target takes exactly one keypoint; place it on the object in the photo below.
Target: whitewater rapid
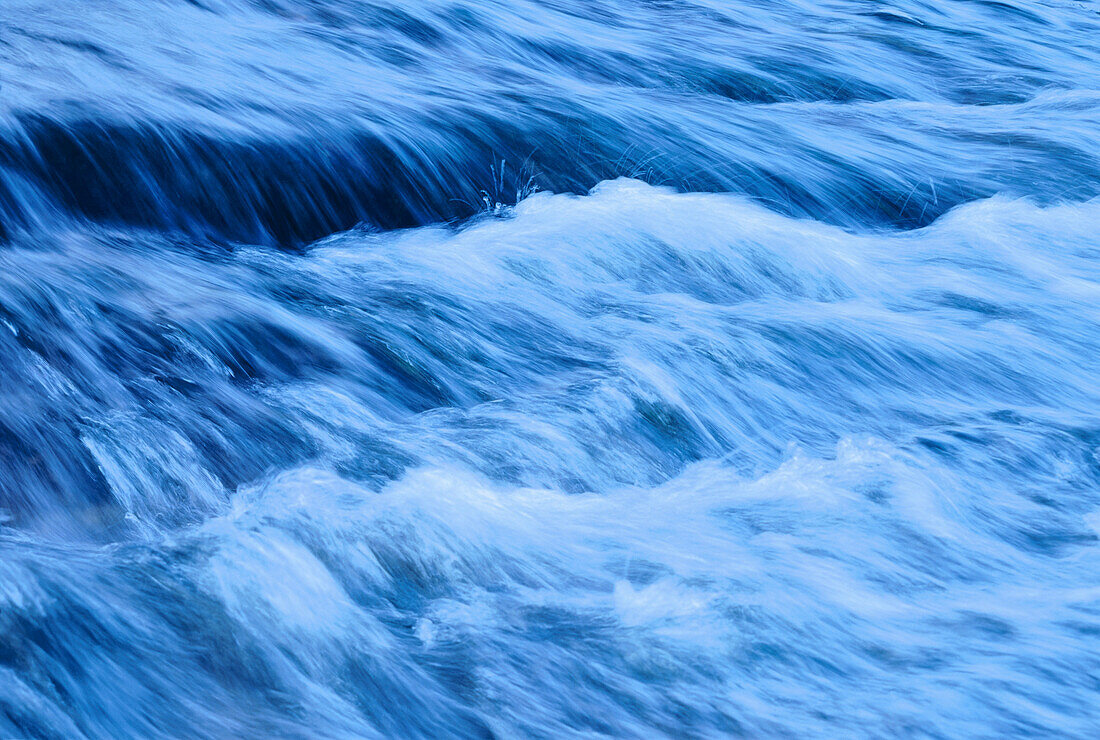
(549, 369)
(630, 463)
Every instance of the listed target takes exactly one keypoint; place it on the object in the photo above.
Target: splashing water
(768, 410)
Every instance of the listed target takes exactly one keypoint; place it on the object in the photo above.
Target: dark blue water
(552, 368)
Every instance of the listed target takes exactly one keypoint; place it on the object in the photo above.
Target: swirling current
(549, 369)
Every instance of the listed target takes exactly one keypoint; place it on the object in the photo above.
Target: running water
(572, 368)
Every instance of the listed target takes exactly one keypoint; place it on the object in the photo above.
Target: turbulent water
(551, 368)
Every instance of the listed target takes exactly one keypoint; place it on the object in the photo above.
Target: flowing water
(551, 368)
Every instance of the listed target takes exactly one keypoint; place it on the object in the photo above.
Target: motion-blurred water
(553, 368)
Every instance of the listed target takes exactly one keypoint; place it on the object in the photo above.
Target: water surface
(603, 368)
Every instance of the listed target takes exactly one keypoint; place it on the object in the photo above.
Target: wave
(557, 369)
(464, 468)
(399, 117)
(447, 605)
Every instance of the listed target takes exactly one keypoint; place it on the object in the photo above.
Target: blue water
(551, 368)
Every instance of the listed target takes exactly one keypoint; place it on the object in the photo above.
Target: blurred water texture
(557, 368)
